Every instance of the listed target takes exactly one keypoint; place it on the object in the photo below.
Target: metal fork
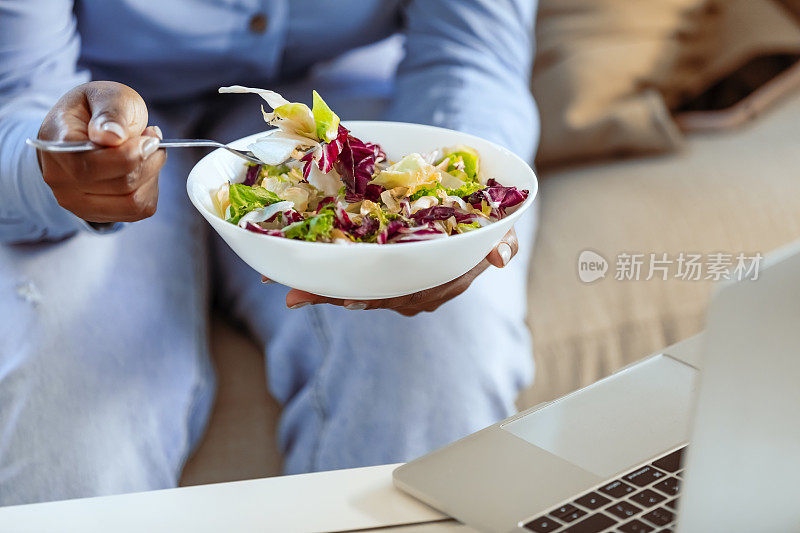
(87, 146)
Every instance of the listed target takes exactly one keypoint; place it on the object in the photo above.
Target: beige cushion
(730, 192)
(601, 68)
(750, 29)
(609, 72)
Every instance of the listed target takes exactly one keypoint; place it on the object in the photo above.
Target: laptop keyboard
(641, 501)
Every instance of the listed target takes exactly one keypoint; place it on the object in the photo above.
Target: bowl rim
(517, 213)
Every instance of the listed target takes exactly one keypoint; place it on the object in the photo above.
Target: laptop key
(544, 524)
(574, 515)
(648, 498)
(659, 516)
(672, 504)
(669, 486)
(592, 501)
(617, 489)
(635, 526)
(644, 476)
(592, 524)
(623, 509)
(672, 462)
(563, 511)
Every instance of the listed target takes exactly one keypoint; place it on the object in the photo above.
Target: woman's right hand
(118, 183)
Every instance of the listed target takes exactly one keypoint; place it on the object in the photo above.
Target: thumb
(118, 113)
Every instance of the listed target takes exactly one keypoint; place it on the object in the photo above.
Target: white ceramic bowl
(366, 271)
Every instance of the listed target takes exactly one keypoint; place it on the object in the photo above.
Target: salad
(340, 189)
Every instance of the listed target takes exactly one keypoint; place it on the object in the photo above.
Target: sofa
(731, 185)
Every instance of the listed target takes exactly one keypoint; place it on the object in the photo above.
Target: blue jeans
(105, 380)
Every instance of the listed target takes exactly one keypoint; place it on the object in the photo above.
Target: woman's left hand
(427, 300)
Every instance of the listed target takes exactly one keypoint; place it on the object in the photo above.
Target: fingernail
(356, 306)
(267, 281)
(149, 146)
(299, 305)
(113, 128)
(504, 249)
(158, 132)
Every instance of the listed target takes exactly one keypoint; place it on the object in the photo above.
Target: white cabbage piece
(392, 197)
(329, 183)
(411, 171)
(291, 117)
(273, 99)
(264, 213)
(294, 118)
(453, 201)
(221, 200)
(298, 196)
(449, 181)
(432, 157)
(280, 146)
(339, 237)
(424, 203)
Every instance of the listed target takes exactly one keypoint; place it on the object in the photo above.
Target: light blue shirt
(466, 67)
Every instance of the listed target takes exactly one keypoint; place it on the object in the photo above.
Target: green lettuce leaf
(428, 190)
(467, 157)
(431, 190)
(245, 199)
(276, 170)
(312, 228)
(466, 189)
(376, 211)
(326, 120)
(463, 228)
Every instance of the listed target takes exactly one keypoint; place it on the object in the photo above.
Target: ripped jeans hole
(28, 292)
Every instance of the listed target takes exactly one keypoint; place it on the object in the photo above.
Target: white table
(327, 501)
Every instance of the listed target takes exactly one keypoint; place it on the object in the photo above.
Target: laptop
(702, 437)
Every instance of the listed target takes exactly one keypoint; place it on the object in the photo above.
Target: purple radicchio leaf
(356, 164)
(405, 207)
(390, 231)
(329, 154)
(341, 219)
(439, 212)
(252, 175)
(289, 216)
(324, 203)
(368, 226)
(417, 233)
(373, 192)
(258, 229)
(497, 196)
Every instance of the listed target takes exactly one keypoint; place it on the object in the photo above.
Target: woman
(105, 382)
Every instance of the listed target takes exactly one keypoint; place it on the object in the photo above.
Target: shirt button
(258, 23)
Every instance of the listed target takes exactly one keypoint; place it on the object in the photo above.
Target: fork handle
(87, 146)
(188, 143)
